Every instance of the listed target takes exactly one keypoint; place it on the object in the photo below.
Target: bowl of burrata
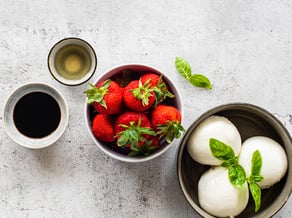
(235, 161)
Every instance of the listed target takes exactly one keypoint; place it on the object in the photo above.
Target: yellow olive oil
(72, 62)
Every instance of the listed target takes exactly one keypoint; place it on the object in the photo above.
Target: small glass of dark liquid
(36, 114)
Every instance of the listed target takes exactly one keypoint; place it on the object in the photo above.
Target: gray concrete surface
(244, 47)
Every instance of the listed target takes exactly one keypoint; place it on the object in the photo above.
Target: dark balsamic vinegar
(37, 114)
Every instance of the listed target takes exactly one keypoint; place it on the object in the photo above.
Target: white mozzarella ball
(218, 196)
(274, 159)
(217, 127)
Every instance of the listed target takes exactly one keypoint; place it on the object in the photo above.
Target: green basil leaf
(183, 67)
(256, 163)
(256, 178)
(228, 163)
(200, 80)
(236, 175)
(256, 193)
(220, 150)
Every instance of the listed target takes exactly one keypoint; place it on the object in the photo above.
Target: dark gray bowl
(250, 120)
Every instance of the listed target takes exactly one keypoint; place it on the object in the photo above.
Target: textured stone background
(244, 47)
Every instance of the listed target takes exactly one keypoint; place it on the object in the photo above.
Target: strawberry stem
(161, 91)
(145, 149)
(170, 130)
(143, 92)
(95, 94)
(133, 135)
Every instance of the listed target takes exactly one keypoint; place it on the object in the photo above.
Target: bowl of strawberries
(133, 112)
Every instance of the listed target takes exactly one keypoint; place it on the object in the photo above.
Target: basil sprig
(236, 172)
(184, 68)
(224, 152)
(254, 188)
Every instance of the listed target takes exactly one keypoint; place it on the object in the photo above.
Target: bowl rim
(80, 81)
(122, 157)
(15, 96)
(283, 197)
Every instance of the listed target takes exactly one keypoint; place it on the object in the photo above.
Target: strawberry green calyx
(145, 149)
(170, 130)
(96, 94)
(161, 91)
(133, 135)
(143, 92)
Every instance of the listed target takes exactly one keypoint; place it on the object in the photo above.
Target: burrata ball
(274, 159)
(217, 127)
(218, 196)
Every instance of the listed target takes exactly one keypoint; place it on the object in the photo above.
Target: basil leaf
(255, 189)
(220, 150)
(183, 67)
(255, 178)
(236, 175)
(256, 193)
(256, 163)
(228, 163)
(200, 80)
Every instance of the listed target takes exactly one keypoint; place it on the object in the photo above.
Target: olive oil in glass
(72, 62)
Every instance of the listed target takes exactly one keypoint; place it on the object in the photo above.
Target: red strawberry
(138, 96)
(103, 128)
(154, 141)
(154, 78)
(106, 97)
(132, 130)
(159, 86)
(166, 121)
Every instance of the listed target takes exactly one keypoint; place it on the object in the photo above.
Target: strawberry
(106, 97)
(159, 86)
(138, 96)
(132, 130)
(154, 78)
(166, 121)
(154, 141)
(103, 128)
